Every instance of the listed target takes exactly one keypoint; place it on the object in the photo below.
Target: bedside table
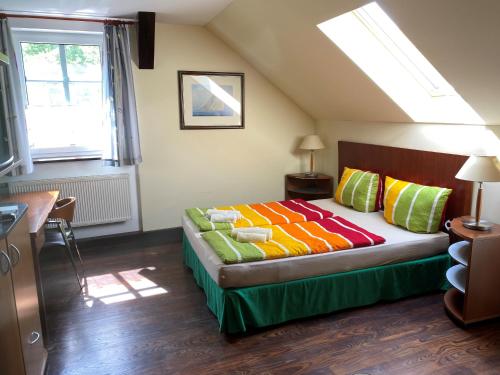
(475, 278)
(308, 188)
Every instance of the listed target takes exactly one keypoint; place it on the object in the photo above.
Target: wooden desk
(39, 206)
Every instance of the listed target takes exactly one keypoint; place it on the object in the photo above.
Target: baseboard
(149, 238)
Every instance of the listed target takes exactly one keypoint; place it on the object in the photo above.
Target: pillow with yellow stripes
(360, 190)
(418, 208)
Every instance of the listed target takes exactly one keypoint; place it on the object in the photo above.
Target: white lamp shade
(480, 169)
(311, 142)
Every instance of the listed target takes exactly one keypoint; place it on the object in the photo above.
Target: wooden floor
(145, 315)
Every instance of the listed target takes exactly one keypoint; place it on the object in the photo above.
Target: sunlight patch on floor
(123, 286)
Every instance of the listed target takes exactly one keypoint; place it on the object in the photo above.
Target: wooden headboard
(422, 167)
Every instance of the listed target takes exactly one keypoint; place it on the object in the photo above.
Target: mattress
(401, 245)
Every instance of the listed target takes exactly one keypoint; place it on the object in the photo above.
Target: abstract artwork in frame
(211, 100)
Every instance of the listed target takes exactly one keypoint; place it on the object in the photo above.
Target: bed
(258, 294)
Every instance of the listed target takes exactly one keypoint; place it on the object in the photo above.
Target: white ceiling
(191, 12)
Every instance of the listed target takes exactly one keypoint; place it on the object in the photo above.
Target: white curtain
(16, 120)
(121, 125)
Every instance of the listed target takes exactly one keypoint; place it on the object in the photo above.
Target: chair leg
(78, 254)
(77, 250)
(73, 240)
(80, 259)
(70, 254)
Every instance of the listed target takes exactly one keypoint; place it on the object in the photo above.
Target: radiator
(99, 199)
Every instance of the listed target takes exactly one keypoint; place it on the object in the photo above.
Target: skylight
(378, 47)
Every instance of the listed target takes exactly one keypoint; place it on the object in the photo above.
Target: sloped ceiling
(191, 12)
(461, 38)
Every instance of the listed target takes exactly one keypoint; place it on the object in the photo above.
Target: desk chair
(59, 232)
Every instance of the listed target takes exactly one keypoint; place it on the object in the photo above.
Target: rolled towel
(223, 218)
(267, 231)
(250, 237)
(213, 211)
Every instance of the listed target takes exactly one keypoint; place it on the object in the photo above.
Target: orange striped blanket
(259, 214)
(293, 239)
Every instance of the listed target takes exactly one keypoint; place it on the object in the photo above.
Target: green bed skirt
(238, 309)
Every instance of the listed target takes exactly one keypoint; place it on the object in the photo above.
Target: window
(377, 46)
(62, 83)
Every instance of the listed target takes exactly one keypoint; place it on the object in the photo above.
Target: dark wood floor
(175, 333)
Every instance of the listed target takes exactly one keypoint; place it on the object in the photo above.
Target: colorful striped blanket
(295, 239)
(259, 214)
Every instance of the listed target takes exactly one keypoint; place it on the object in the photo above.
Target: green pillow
(418, 208)
(360, 190)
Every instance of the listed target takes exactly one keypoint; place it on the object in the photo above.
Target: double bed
(400, 246)
(263, 293)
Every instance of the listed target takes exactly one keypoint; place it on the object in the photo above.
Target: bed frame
(422, 167)
(242, 309)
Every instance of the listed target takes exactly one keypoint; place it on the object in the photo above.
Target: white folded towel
(213, 211)
(223, 218)
(267, 231)
(250, 237)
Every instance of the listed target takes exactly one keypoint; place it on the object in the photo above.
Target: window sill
(64, 159)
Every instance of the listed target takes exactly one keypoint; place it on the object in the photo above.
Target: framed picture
(211, 100)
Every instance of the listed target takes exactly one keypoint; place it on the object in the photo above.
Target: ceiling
(191, 12)
(461, 38)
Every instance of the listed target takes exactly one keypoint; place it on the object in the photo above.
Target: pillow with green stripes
(418, 208)
(360, 190)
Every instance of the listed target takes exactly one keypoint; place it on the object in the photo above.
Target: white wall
(186, 168)
(455, 139)
(183, 169)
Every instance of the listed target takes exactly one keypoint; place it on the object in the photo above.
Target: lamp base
(311, 174)
(483, 225)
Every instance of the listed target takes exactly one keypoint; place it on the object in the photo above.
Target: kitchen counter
(7, 222)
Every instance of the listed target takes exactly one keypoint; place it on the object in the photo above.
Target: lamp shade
(480, 169)
(311, 142)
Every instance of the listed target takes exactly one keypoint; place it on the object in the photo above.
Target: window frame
(64, 37)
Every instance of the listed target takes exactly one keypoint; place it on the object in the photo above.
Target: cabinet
(299, 185)
(10, 343)
(474, 278)
(20, 334)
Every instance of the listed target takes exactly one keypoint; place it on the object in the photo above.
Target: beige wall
(458, 139)
(199, 168)
(185, 168)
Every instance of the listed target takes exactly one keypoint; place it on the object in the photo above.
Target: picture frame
(211, 100)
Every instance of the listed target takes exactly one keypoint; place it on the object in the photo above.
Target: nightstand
(475, 277)
(299, 185)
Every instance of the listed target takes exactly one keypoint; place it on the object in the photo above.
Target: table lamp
(311, 143)
(479, 169)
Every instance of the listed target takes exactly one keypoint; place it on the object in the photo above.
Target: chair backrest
(64, 209)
